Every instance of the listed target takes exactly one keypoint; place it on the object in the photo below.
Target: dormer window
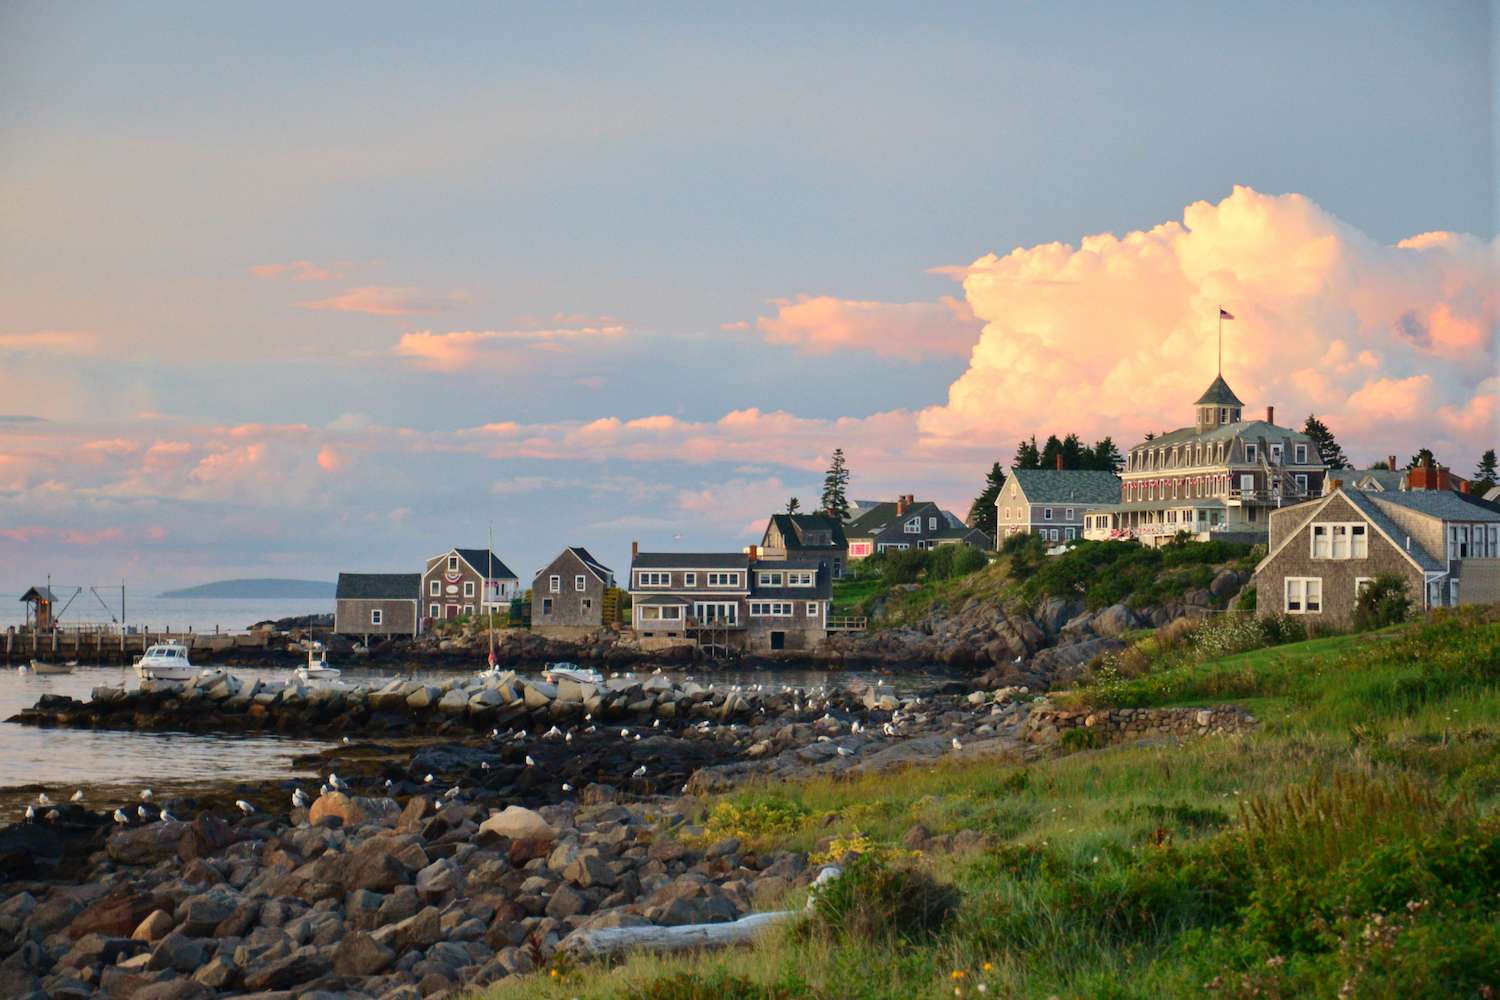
(1249, 452)
(1300, 451)
(453, 564)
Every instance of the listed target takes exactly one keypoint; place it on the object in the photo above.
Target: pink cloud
(378, 300)
(25, 534)
(99, 536)
(911, 331)
(51, 342)
(461, 349)
(330, 460)
(301, 270)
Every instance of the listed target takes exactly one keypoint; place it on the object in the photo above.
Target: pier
(112, 644)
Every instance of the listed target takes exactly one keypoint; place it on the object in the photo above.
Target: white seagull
(656, 724)
(451, 793)
(42, 800)
(428, 780)
(299, 799)
(568, 738)
(567, 787)
(167, 817)
(845, 752)
(625, 734)
(145, 795)
(244, 806)
(484, 765)
(389, 783)
(30, 814)
(956, 744)
(552, 734)
(855, 727)
(336, 783)
(142, 813)
(529, 761)
(121, 818)
(323, 789)
(639, 772)
(76, 796)
(888, 729)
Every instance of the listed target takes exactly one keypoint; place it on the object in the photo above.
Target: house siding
(1338, 576)
(571, 609)
(351, 616)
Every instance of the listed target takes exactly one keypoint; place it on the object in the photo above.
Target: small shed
(39, 604)
(383, 604)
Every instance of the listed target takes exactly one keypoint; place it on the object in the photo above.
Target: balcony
(1290, 494)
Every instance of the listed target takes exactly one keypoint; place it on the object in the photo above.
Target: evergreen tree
(793, 505)
(835, 501)
(1027, 455)
(982, 510)
(1105, 456)
(1421, 458)
(1484, 472)
(1328, 448)
(1050, 452)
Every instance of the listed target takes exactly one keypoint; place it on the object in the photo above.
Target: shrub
(1383, 602)
(1083, 738)
(757, 821)
(881, 902)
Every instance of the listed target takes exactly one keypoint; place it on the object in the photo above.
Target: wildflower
(988, 967)
(982, 988)
(554, 973)
(957, 974)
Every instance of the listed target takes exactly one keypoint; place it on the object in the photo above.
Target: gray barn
(383, 604)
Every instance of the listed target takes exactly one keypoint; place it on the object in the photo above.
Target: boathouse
(377, 604)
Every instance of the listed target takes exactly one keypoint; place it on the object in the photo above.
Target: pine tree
(1484, 472)
(1329, 449)
(1050, 452)
(793, 505)
(1027, 455)
(835, 501)
(1105, 456)
(982, 510)
(1421, 458)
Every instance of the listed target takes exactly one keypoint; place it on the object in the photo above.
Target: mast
(489, 555)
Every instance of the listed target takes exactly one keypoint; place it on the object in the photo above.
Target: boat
(43, 668)
(563, 671)
(317, 668)
(165, 661)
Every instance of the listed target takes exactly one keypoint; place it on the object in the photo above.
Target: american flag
(1225, 313)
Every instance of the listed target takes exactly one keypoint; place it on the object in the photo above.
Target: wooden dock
(110, 644)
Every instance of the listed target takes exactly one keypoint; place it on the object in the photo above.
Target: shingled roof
(1219, 394)
(1079, 486)
(479, 559)
(379, 587)
(792, 526)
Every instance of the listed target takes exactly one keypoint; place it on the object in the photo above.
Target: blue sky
(677, 177)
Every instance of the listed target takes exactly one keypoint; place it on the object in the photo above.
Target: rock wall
(1048, 725)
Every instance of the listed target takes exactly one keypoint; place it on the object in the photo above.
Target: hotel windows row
(788, 578)
(1160, 458)
(436, 611)
(1473, 541)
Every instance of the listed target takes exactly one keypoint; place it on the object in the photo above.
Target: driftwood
(604, 941)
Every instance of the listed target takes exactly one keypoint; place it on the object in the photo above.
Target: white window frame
(1342, 540)
(1071, 533)
(723, 579)
(770, 578)
(650, 613)
(580, 583)
(1299, 453)
(1250, 452)
(1068, 514)
(1275, 454)
(377, 616)
(772, 609)
(731, 618)
(468, 609)
(1247, 482)
(434, 589)
(671, 612)
(1046, 513)
(453, 564)
(434, 610)
(931, 523)
(1303, 592)
(547, 606)
(652, 578)
(688, 580)
(913, 526)
(814, 608)
(800, 578)
(468, 588)
(554, 584)
(1360, 583)
(1300, 479)
(1051, 534)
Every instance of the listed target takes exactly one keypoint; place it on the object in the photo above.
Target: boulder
(1226, 583)
(1115, 620)
(359, 954)
(455, 702)
(425, 696)
(145, 845)
(154, 927)
(113, 916)
(518, 823)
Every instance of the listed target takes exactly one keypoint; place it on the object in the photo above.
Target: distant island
(257, 590)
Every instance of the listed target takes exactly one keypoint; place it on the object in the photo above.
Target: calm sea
(201, 614)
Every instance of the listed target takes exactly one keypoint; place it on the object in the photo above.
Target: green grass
(1348, 846)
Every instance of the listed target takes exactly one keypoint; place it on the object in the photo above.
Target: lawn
(1349, 847)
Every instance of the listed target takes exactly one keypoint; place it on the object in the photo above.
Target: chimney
(1059, 462)
(753, 551)
(1334, 485)
(1463, 486)
(901, 504)
(635, 550)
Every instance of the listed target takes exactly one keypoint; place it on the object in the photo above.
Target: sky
(293, 289)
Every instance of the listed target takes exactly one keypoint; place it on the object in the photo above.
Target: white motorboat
(165, 661)
(555, 672)
(317, 668)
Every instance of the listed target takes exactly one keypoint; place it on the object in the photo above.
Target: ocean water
(201, 614)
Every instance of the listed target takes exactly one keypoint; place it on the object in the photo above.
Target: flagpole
(1221, 341)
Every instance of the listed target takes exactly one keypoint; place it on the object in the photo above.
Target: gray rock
(177, 952)
(360, 954)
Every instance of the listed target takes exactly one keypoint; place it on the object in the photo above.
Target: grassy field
(1348, 847)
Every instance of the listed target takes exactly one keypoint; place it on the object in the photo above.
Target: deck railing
(848, 623)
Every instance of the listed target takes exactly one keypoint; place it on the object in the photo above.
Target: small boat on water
(165, 661)
(561, 671)
(43, 668)
(317, 668)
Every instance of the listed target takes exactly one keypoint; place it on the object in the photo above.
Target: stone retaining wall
(1047, 724)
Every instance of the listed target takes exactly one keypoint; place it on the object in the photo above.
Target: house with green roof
(1052, 503)
(1218, 478)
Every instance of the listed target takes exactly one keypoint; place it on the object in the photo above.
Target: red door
(451, 611)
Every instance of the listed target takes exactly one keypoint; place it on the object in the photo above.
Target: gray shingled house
(467, 582)
(806, 536)
(384, 604)
(1444, 545)
(567, 596)
(908, 523)
(1052, 503)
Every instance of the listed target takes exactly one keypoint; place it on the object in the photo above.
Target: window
(1301, 480)
(723, 579)
(468, 588)
(803, 578)
(554, 583)
(673, 613)
(1052, 534)
(688, 580)
(812, 609)
(775, 579)
(578, 582)
(1304, 595)
(468, 609)
(1300, 453)
(1247, 483)
(855, 549)
(1340, 541)
(588, 604)
(1072, 533)
(649, 579)
(1068, 514)
(913, 526)
(1046, 513)
(376, 616)
(648, 613)
(894, 546)
(453, 564)
(1275, 454)
(433, 611)
(434, 588)
(1223, 414)
(720, 613)
(1006, 515)
(1249, 452)
(931, 524)
(771, 609)
(546, 605)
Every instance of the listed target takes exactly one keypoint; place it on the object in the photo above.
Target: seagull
(888, 729)
(76, 796)
(656, 724)
(484, 765)
(30, 814)
(639, 772)
(299, 799)
(167, 817)
(336, 783)
(244, 806)
(855, 727)
(552, 733)
(567, 787)
(389, 783)
(529, 761)
(494, 734)
(590, 729)
(323, 789)
(428, 780)
(824, 739)
(451, 793)
(52, 816)
(588, 717)
(568, 738)
(637, 737)
(121, 818)
(346, 741)
(145, 795)
(625, 734)
(845, 752)
(957, 745)
(142, 813)
(42, 800)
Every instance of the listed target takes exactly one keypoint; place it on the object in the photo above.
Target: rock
(351, 810)
(155, 927)
(172, 989)
(423, 697)
(115, 916)
(145, 845)
(422, 930)
(220, 973)
(1226, 583)
(588, 870)
(373, 869)
(418, 807)
(28, 849)
(359, 954)
(566, 902)
(177, 952)
(100, 949)
(301, 966)
(1115, 620)
(439, 878)
(455, 702)
(518, 823)
(201, 915)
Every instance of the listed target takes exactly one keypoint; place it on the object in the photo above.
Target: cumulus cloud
(911, 331)
(461, 349)
(1391, 345)
(380, 300)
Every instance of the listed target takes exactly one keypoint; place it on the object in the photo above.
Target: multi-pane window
(801, 578)
(1046, 513)
(723, 579)
(376, 616)
(648, 579)
(468, 588)
(771, 609)
(554, 583)
(434, 588)
(913, 527)
(1300, 451)
(775, 579)
(578, 582)
(1304, 595)
(453, 564)
(932, 524)
(1249, 452)
(688, 580)
(1340, 541)
(812, 609)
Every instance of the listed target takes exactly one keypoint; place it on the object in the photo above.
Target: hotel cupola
(1218, 406)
